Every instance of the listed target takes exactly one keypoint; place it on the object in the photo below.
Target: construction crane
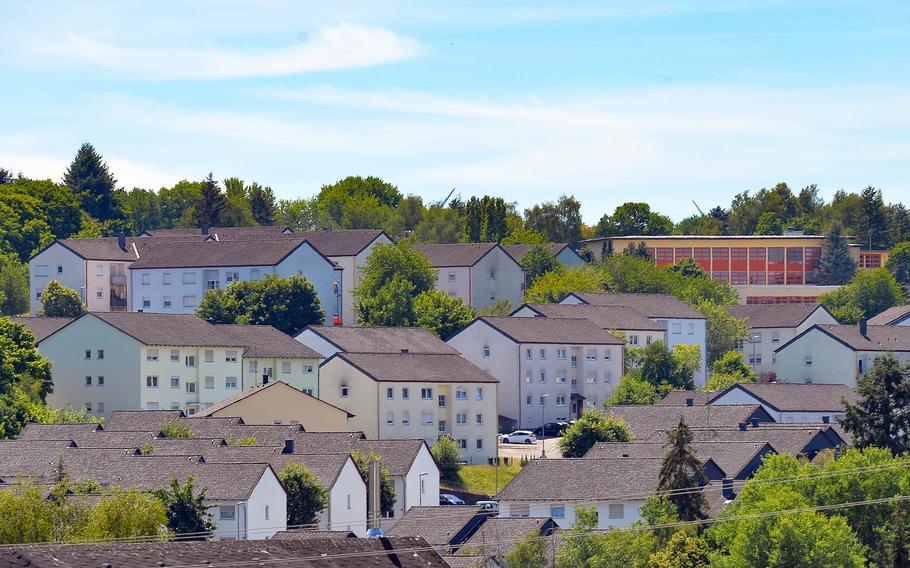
(702, 213)
(444, 201)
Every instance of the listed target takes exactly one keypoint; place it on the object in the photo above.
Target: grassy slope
(482, 478)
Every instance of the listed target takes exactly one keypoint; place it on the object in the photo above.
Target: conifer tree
(262, 202)
(92, 183)
(210, 204)
(880, 417)
(681, 470)
(835, 266)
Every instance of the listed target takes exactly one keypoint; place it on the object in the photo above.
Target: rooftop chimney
(864, 328)
(121, 240)
(690, 402)
(727, 489)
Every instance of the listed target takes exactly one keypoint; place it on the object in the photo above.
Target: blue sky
(663, 101)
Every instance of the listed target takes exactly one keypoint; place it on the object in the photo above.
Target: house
(290, 553)
(646, 419)
(684, 324)
(806, 440)
(635, 328)
(772, 325)
(96, 268)
(478, 273)
(548, 368)
(328, 340)
(408, 395)
(280, 403)
(837, 354)
(722, 460)
(130, 361)
(498, 536)
(896, 315)
(562, 251)
(171, 276)
(556, 488)
(791, 402)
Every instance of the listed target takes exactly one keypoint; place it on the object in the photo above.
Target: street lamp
(543, 426)
(420, 477)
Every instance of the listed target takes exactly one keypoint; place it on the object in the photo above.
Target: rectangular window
(146, 302)
(775, 256)
(99, 293)
(189, 301)
(486, 351)
(426, 418)
(100, 381)
(529, 400)
(254, 366)
(88, 381)
(426, 394)
(230, 356)
(190, 388)
(542, 401)
(461, 418)
(343, 392)
(166, 301)
(441, 402)
(574, 361)
(405, 418)
(683, 252)
(286, 367)
(230, 382)
(209, 356)
(151, 406)
(151, 382)
(608, 355)
(543, 354)
(560, 400)
(307, 368)
(100, 407)
(175, 382)
(231, 277)
(528, 354)
(591, 377)
(166, 278)
(451, 277)
(226, 513)
(808, 360)
(88, 353)
(591, 355)
(558, 511)
(463, 443)
(664, 255)
(405, 393)
(478, 419)
(543, 376)
(520, 510)
(189, 277)
(492, 275)
(390, 393)
(676, 328)
(775, 337)
(390, 418)
(100, 353)
(738, 253)
(88, 406)
(175, 355)
(146, 278)
(561, 377)
(461, 394)
(190, 360)
(560, 354)
(41, 270)
(616, 511)
(479, 444)
(209, 382)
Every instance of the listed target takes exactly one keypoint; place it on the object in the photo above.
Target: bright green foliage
(237, 210)
(448, 457)
(682, 470)
(683, 551)
(210, 205)
(262, 204)
(724, 330)
(835, 267)
(126, 514)
(633, 390)
(92, 183)
(287, 304)
(441, 313)
(299, 214)
(658, 365)
(700, 225)
(58, 301)
(553, 286)
(519, 234)
(242, 441)
(538, 262)
(498, 308)
(24, 405)
(392, 277)
(187, 513)
(729, 370)
(175, 429)
(689, 268)
(358, 203)
(899, 263)
(386, 487)
(634, 219)
(592, 427)
(879, 418)
(485, 220)
(21, 366)
(769, 224)
(530, 552)
(559, 222)
(438, 225)
(24, 227)
(408, 215)
(13, 285)
(306, 497)
(142, 210)
(868, 293)
(615, 549)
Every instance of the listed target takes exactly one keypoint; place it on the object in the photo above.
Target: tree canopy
(592, 427)
(306, 497)
(879, 418)
(868, 293)
(58, 301)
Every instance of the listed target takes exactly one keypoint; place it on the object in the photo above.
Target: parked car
(449, 499)
(519, 437)
(551, 429)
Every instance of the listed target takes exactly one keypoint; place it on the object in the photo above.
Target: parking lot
(518, 451)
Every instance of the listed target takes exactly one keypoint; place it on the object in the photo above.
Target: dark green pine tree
(880, 417)
(211, 204)
(495, 228)
(473, 220)
(92, 183)
(835, 266)
(681, 470)
(262, 203)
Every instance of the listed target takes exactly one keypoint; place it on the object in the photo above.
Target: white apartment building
(684, 324)
(96, 268)
(478, 273)
(548, 368)
(791, 403)
(171, 276)
(415, 395)
(838, 354)
(772, 325)
(636, 329)
(132, 361)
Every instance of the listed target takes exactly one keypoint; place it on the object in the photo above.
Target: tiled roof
(325, 467)
(266, 341)
(196, 254)
(451, 255)
(499, 535)
(785, 440)
(139, 420)
(466, 561)
(551, 330)
(309, 534)
(42, 327)
(645, 419)
(114, 439)
(437, 525)
(583, 479)
(518, 252)
(166, 329)
(186, 446)
(222, 233)
(325, 442)
(287, 553)
(105, 248)
(413, 367)
(759, 316)
(891, 316)
(341, 242)
(254, 390)
(35, 431)
(730, 456)
(397, 455)
(678, 397)
(234, 428)
(797, 397)
(382, 339)
(651, 305)
(878, 337)
(605, 317)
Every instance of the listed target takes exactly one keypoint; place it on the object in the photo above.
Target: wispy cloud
(343, 46)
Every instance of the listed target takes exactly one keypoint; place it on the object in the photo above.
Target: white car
(519, 437)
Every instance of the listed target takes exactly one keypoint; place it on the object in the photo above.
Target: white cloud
(343, 46)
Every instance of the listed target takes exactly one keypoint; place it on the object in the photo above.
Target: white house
(549, 368)
(635, 328)
(129, 361)
(479, 273)
(772, 325)
(171, 276)
(837, 354)
(556, 488)
(415, 395)
(791, 402)
(562, 251)
(328, 340)
(896, 315)
(684, 324)
(96, 268)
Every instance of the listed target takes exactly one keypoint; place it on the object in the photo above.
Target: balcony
(118, 279)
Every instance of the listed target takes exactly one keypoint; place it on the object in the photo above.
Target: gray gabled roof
(438, 525)
(104, 248)
(140, 420)
(266, 341)
(796, 397)
(606, 317)
(415, 367)
(650, 305)
(550, 330)
(730, 456)
(42, 327)
(584, 480)
(679, 397)
(881, 338)
(157, 253)
(455, 255)
(354, 339)
(891, 316)
(759, 316)
(643, 420)
(255, 390)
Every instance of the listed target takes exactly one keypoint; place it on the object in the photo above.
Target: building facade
(478, 273)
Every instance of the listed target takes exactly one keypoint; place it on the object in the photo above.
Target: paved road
(518, 451)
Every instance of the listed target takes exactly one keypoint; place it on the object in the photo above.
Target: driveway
(518, 451)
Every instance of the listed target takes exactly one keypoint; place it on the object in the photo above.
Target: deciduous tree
(592, 427)
(306, 497)
(187, 513)
(262, 204)
(58, 301)
(448, 456)
(537, 262)
(441, 313)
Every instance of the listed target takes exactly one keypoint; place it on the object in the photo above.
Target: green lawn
(482, 478)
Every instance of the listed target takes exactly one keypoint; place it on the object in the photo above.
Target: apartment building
(96, 268)
(562, 251)
(636, 329)
(479, 273)
(328, 340)
(684, 324)
(763, 269)
(791, 403)
(171, 276)
(838, 354)
(129, 361)
(548, 368)
(415, 395)
(770, 326)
